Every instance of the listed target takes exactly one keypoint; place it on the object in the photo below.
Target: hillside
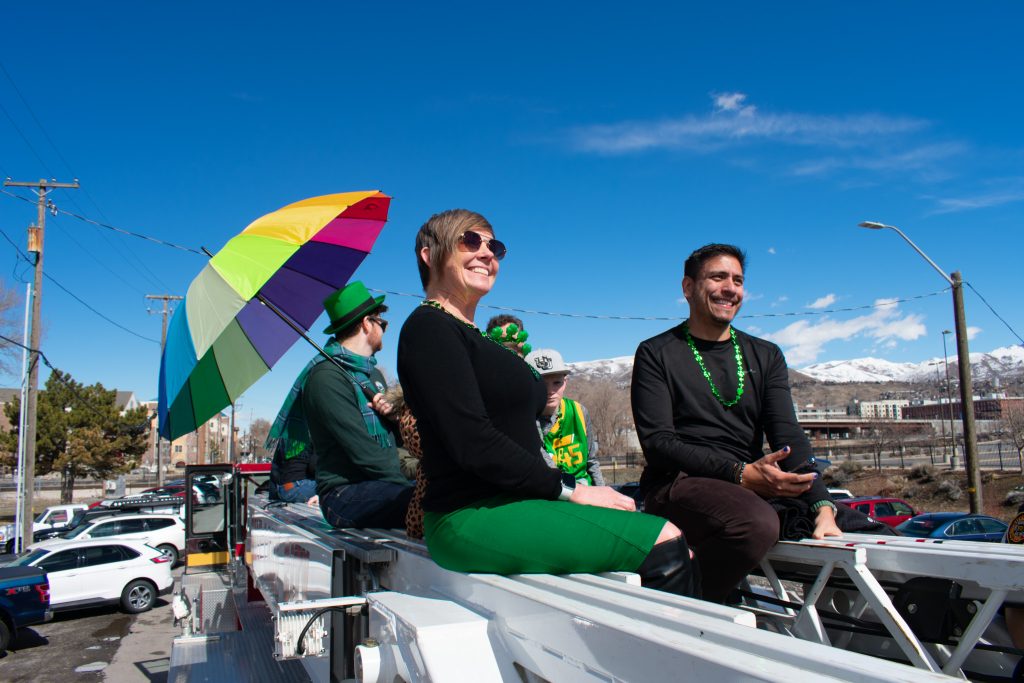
(837, 383)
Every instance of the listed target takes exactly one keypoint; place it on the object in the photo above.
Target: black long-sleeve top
(476, 405)
(682, 426)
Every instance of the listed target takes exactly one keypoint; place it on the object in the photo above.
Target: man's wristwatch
(568, 486)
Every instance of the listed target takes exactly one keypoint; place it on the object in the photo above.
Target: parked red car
(889, 511)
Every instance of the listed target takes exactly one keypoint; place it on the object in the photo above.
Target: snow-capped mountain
(1003, 363)
(617, 369)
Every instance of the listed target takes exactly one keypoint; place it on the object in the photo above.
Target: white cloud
(972, 332)
(804, 341)
(922, 160)
(733, 101)
(732, 122)
(771, 250)
(823, 302)
(981, 201)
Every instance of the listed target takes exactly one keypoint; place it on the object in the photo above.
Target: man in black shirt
(705, 396)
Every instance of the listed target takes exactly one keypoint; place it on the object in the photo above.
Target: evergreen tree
(79, 432)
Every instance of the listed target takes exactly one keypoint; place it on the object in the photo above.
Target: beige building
(207, 445)
(888, 410)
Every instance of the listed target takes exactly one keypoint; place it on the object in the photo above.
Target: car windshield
(77, 519)
(27, 558)
(77, 531)
(918, 527)
(39, 517)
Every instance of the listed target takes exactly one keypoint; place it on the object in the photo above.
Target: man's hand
(380, 405)
(765, 478)
(825, 524)
(602, 497)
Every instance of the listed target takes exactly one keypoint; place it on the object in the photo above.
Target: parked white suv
(166, 533)
(92, 572)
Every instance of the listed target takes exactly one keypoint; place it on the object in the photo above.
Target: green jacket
(347, 453)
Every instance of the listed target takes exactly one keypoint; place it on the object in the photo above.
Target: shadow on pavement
(155, 669)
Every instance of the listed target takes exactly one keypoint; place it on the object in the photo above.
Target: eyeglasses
(380, 321)
(474, 240)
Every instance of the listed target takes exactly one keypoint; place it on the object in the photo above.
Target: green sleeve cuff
(824, 503)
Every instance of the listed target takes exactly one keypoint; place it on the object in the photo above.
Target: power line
(36, 119)
(140, 265)
(110, 227)
(109, 320)
(49, 277)
(70, 236)
(25, 140)
(20, 257)
(882, 304)
(1012, 331)
(60, 378)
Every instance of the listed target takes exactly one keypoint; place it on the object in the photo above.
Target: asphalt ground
(96, 644)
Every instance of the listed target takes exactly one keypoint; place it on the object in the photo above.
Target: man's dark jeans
(729, 528)
(368, 504)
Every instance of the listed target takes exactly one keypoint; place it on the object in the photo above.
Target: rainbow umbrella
(254, 299)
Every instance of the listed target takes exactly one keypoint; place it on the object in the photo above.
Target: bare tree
(878, 434)
(898, 434)
(607, 405)
(1012, 424)
(10, 303)
(256, 439)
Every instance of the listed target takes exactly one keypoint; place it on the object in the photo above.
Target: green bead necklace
(707, 375)
(439, 306)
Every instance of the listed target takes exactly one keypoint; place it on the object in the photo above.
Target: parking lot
(97, 644)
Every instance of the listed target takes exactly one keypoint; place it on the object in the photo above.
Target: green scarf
(290, 427)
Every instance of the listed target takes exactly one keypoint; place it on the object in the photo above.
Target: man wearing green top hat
(335, 407)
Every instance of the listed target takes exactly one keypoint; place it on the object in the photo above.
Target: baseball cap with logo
(547, 362)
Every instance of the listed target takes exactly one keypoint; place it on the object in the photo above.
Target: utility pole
(166, 298)
(966, 396)
(36, 235)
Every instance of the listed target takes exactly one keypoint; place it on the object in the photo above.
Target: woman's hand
(825, 524)
(602, 497)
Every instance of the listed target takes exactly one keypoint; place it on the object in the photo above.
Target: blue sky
(604, 142)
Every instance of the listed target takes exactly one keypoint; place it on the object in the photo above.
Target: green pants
(506, 535)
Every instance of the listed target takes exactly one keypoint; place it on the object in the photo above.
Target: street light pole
(949, 398)
(938, 383)
(955, 281)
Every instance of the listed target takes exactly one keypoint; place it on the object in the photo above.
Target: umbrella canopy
(225, 337)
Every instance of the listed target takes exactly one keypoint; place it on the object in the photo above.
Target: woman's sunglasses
(473, 241)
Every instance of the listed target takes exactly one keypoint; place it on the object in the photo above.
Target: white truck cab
(56, 516)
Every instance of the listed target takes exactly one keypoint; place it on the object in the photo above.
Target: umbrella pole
(368, 391)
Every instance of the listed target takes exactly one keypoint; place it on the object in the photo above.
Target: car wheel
(138, 596)
(5, 636)
(170, 551)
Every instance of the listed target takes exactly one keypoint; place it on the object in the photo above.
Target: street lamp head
(872, 225)
(947, 332)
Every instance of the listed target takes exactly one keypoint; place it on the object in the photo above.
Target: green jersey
(566, 441)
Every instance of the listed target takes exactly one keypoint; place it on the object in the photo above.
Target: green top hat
(348, 305)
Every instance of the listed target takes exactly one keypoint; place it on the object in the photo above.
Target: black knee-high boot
(669, 568)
